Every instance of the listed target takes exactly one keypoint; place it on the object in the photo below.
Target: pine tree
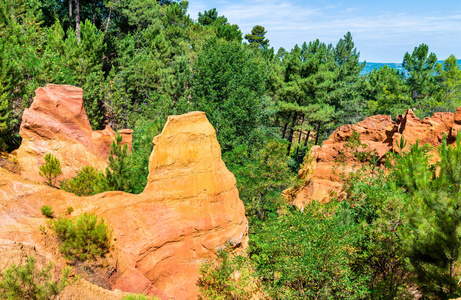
(449, 83)
(51, 169)
(420, 64)
(119, 169)
(257, 37)
(28, 282)
(433, 236)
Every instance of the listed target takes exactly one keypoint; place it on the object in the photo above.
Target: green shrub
(47, 211)
(26, 282)
(84, 238)
(307, 254)
(51, 169)
(70, 209)
(119, 167)
(217, 280)
(88, 181)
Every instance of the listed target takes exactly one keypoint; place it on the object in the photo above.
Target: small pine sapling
(47, 211)
(119, 167)
(27, 282)
(51, 169)
(84, 238)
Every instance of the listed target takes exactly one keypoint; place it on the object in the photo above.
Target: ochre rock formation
(325, 167)
(57, 123)
(189, 209)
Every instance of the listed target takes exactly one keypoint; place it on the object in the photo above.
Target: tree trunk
(307, 138)
(77, 19)
(108, 20)
(300, 132)
(318, 133)
(285, 129)
(94, 12)
(70, 11)
(13, 16)
(290, 137)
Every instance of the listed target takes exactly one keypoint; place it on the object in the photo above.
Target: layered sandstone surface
(57, 123)
(326, 166)
(189, 209)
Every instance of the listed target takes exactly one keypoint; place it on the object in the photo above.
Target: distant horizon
(382, 32)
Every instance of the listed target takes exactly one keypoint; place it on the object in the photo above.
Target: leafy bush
(261, 177)
(26, 282)
(47, 211)
(87, 237)
(51, 169)
(307, 255)
(374, 203)
(220, 280)
(70, 209)
(88, 181)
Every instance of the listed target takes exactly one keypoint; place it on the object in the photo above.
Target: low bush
(51, 169)
(84, 238)
(27, 282)
(228, 278)
(70, 209)
(88, 181)
(47, 211)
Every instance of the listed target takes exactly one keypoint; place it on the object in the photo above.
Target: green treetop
(420, 64)
(449, 82)
(257, 37)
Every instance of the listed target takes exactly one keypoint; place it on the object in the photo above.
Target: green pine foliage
(449, 85)
(47, 211)
(257, 38)
(28, 282)
(307, 255)
(51, 169)
(144, 132)
(88, 181)
(386, 92)
(228, 84)
(261, 177)
(119, 167)
(84, 238)
(433, 236)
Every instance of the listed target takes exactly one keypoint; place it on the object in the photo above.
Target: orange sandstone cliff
(189, 209)
(324, 166)
(57, 123)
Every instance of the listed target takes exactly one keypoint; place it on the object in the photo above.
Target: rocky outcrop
(57, 123)
(189, 209)
(325, 167)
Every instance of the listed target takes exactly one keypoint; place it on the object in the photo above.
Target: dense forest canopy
(139, 61)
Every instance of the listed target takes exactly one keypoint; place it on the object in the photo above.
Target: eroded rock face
(325, 166)
(189, 209)
(57, 123)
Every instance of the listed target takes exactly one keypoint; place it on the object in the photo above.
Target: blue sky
(382, 30)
